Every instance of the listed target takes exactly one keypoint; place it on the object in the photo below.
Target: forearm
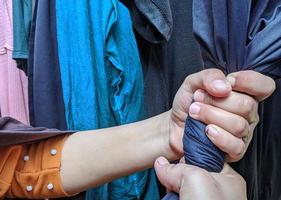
(91, 158)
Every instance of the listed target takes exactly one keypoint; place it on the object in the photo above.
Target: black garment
(45, 91)
(260, 166)
(166, 65)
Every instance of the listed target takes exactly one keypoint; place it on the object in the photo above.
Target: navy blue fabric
(238, 35)
(45, 91)
(233, 35)
(198, 149)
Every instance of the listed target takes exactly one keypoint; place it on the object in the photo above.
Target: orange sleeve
(37, 172)
(9, 157)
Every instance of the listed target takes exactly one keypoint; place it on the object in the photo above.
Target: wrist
(170, 140)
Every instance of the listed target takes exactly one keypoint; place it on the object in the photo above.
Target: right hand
(228, 105)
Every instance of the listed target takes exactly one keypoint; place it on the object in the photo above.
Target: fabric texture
(13, 132)
(44, 80)
(22, 16)
(233, 48)
(166, 61)
(37, 172)
(13, 82)
(166, 65)
(102, 80)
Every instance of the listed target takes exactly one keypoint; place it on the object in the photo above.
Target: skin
(192, 182)
(91, 158)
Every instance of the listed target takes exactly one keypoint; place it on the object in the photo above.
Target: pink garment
(13, 82)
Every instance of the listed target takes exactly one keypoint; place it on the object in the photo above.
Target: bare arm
(90, 158)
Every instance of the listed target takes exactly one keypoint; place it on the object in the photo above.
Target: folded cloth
(13, 132)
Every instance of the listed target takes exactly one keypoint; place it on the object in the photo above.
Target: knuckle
(247, 105)
(197, 174)
(242, 127)
(238, 153)
(212, 71)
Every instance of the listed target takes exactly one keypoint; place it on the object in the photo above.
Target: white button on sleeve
(50, 186)
(53, 152)
(29, 188)
(26, 158)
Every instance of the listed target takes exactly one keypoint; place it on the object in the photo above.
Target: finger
(183, 178)
(237, 103)
(182, 160)
(253, 83)
(170, 175)
(211, 80)
(231, 183)
(230, 122)
(234, 147)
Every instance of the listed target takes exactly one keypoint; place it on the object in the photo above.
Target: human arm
(106, 154)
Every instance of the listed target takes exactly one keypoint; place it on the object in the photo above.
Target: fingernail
(231, 80)
(220, 85)
(211, 131)
(162, 161)
(194, 109)
(199, 95)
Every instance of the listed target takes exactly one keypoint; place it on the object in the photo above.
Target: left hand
(192, 182)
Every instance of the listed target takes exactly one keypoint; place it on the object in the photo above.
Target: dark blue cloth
(44, 83)
(233, 35)
(198, 149)
(238, 35)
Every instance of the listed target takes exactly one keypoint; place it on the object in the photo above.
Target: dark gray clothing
(13, 132)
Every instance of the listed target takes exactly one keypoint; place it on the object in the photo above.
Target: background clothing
(22, 17)
(102, 80)
(166, 65)
(44, 80)
(13, 82)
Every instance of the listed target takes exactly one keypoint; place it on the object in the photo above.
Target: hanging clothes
(13, 82)
(102, 80)
(260, 166)
(22, 16)
(45, 90)
(168, 51)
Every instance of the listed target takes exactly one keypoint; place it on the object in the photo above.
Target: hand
(231, 116)
(192, 182)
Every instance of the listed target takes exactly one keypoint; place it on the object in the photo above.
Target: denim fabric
(102, 80)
